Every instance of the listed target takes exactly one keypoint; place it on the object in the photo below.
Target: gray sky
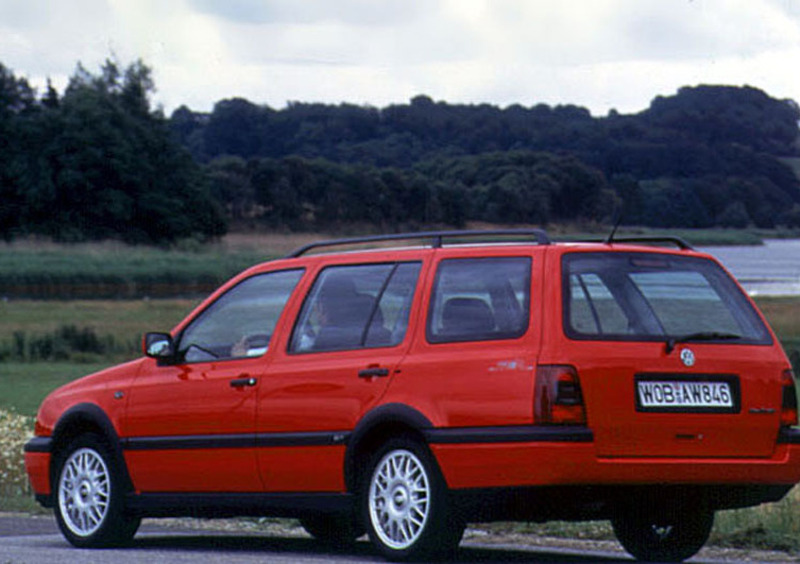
(600, 54)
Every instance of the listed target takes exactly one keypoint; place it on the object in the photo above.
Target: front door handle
(373, 372)
(244, 382)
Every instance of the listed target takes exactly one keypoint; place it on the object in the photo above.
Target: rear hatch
(673, 358)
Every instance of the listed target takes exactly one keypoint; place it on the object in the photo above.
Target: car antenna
(610, 238)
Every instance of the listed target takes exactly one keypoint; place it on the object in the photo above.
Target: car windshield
(649, 296)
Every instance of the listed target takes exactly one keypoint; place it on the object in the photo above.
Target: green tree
(17, 102)
(104, 165)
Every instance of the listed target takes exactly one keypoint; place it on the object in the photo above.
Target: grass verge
(112, 270)
(23, 385)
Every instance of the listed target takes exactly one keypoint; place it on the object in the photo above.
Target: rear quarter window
(641, 296)
(480, 299)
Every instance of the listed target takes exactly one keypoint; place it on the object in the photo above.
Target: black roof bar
(677, 241)
(436, 238)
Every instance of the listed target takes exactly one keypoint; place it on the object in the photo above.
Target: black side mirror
(159, 346)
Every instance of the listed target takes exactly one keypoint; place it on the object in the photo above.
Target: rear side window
(480, 299)
(356, 306)
(640, 296)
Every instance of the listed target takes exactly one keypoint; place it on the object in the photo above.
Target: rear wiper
(701, 336)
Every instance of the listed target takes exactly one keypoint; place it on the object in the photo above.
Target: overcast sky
(600, 54)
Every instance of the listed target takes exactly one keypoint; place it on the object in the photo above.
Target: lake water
(772, 269)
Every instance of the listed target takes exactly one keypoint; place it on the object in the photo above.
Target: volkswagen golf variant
(403, 391)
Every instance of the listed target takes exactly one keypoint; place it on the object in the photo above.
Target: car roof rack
(436, 239)
(679, 242)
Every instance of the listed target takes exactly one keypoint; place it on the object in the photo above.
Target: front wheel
(406, 503)
(665, 537)
(89, 505)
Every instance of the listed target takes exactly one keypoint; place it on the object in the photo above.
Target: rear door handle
(373, 372)
(244, 382)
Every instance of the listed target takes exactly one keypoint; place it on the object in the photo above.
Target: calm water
(772, 269)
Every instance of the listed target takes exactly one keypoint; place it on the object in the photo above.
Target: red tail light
(558, 399)
(789, 403)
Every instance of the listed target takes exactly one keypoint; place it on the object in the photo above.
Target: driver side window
(241, 322)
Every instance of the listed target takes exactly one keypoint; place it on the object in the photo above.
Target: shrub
(15, 431)
(68, 342)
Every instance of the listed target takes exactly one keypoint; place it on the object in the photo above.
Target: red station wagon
(463, 377)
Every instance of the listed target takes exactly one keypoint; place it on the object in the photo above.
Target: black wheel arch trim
(94, 415)
(387, 414)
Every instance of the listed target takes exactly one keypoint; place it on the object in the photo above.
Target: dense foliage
(97, 162)
(707, 156)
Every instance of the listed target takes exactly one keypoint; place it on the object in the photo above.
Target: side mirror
(159, 346)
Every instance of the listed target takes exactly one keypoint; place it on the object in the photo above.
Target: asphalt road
(36, 540)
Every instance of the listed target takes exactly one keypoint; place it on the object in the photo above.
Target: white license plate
(684, 394)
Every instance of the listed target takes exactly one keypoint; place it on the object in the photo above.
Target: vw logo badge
(687, 356)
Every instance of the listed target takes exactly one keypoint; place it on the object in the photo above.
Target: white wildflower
(15, 431)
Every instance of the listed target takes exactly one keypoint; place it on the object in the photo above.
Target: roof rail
(679, 242)
(436, 238)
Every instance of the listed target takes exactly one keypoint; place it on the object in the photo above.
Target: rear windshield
(648, 296)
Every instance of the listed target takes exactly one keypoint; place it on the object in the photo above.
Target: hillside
(98, 162)
(706, 156)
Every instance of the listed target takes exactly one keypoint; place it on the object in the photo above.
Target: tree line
(707, 156)
(99, 162)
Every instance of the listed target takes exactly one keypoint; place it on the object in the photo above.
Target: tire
(666, 537)
(89, 504)
(333, 530)
(405, 504)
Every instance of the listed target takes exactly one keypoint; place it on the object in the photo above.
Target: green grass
(23, 386)
(125, 320)
(116, 271)
(774, 526)
(45, 270)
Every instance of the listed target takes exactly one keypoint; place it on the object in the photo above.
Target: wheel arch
(375, 427)
(82, 419)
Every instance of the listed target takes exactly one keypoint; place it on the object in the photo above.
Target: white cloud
(601, 54)
(349, 12)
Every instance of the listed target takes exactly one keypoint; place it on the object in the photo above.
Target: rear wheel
(405, 502)
(667, 536)
(88, 499)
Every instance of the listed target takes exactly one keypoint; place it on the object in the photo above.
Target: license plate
(690, 395)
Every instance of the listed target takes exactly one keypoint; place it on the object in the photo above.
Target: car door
(190, 425)
(477, 359)
(349, 336)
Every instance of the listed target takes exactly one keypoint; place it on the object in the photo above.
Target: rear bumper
(521, 463)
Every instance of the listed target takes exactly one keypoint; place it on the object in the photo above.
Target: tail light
(789, 402)
(558, 399)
